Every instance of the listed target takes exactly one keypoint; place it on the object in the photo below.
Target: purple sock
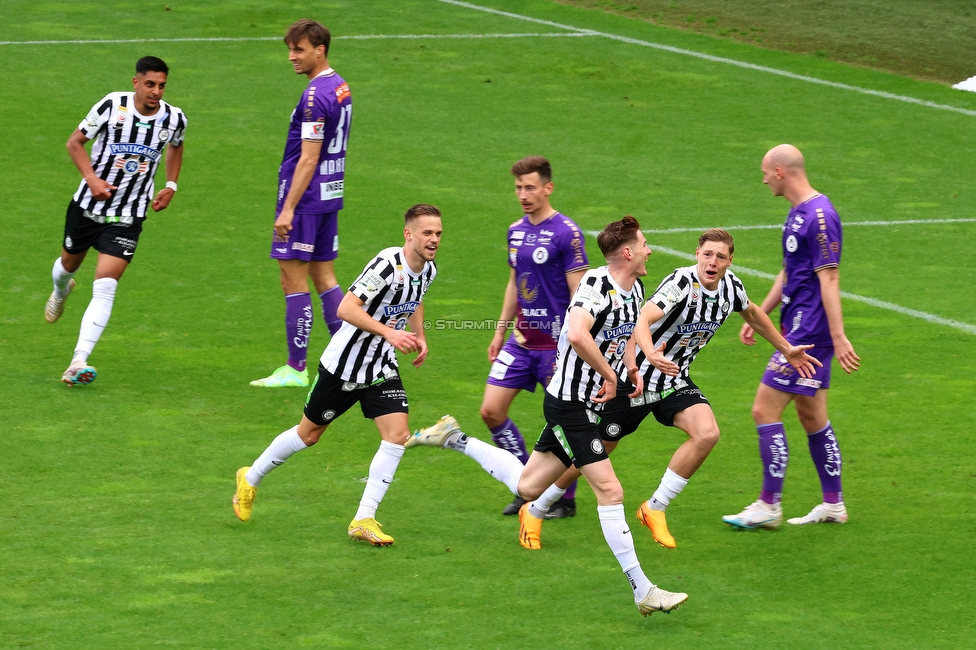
(298, 325)
(330, 304)
(775, 454)
(571, 491)
(507, 436)
(826, 456)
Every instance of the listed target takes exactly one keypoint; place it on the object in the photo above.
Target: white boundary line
(779, 226)
(718, 59)
(882, 304)
(363, 37)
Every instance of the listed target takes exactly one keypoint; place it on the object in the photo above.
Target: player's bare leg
(283, 447)
(108, 272)
(698, 421)
(394, 432)
(609, 497)
(298, 327)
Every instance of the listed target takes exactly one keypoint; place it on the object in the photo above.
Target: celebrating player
(808, 290)
(130, 130)
(548, 258)
(360, 365)
(310, 190)
(594, 348)
(678, 321)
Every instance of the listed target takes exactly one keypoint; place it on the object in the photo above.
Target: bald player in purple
(808, 292)
(547, 257)
(310, 192)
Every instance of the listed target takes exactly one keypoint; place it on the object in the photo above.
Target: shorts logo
(812, 383)
(328, 415)
(67, 242)
(540, 255)
(613, 430)
(305, 248)
(791, 244)
(596, 446)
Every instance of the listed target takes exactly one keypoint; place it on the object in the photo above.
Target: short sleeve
(589, 297)
(179, 132)
(574, 251)
(823, 241)
(672, 291)
(97, 118)
(374, 278)
(315, 113)
(740, 301)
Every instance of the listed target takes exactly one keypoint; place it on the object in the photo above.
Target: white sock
(380, 476)
(502, 465)
(621, 542)
(540, 506)
(670, 487)
(96, 317)
(280, 450)
(61, 278)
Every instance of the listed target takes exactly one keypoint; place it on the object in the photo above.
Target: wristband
(171, 185)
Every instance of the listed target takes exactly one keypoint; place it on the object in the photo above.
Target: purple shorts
(516, 367)
(313, 238)
(782, 376)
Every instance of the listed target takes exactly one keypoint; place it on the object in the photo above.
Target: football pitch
(116, 528)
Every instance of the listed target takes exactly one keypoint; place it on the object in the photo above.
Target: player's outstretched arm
(416, 323)
(769, 303)
(578, 333)
(101, 190)
(351, 310)
(830, 296)
(650, 313)
(174, 162)
(796, 355)
(509, 305)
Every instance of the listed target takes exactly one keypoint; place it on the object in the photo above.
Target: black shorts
(622, 415)
(572, 432)
(115, 239)
(330, 396)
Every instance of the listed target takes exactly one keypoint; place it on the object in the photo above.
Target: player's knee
(528, 491)
(708, 438)
(310, 435)
(397, 437)
(492, 416)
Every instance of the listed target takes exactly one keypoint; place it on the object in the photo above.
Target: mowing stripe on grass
(882, 304)
(779, 226)
(362, 37)
(718, 59)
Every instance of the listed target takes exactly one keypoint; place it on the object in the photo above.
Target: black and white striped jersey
(692, 314)
(127, 149)
(391, 293)
(615, 313)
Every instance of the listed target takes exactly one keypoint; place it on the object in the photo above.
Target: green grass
(116, 529)
(921, 39)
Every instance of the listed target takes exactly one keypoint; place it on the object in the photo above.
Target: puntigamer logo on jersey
(688, 328)
(622, 330)
(393, 310)
(122, 148)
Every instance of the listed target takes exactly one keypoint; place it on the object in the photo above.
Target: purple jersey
(542, 255)
(323, 114)
(811, 241)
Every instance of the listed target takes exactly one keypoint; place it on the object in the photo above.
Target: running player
(310, 189)
(360, 365)
(808, 290)
(130, 130)
(547, 257)
(594, 348)
(678, 321)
